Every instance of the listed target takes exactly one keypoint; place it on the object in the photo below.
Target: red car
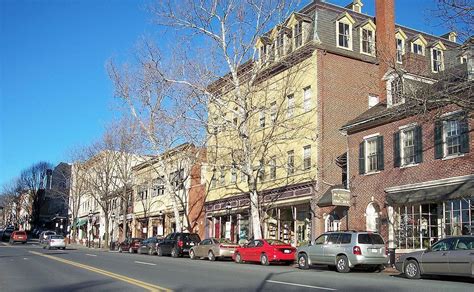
(18, 236)
(265, 251)
(130, 244)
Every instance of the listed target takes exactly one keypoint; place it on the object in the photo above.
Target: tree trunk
(106, 233)
(124, 213)
(255, 215)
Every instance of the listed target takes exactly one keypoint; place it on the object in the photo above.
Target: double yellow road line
(144, 285)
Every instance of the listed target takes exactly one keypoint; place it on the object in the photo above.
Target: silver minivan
(344, 250)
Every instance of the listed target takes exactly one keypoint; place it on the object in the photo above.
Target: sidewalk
(81, 246)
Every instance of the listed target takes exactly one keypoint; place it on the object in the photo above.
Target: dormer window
(437, 60)
(344, 25)
(418, 49)
(368, 41)
(395, 94)
(437, 57)
(280, 44)
(418, 45)
(263, 53)
(298, 34)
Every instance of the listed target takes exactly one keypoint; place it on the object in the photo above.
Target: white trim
(451, 113)
(372, 43)
(418, 78)
(342, 20)
(414, 124)
(430, 184)
(441, 61)
(371, 136)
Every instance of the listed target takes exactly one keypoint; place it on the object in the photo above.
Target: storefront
(423, 216)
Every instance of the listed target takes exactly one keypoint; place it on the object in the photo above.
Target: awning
(433, 194)
(81, 221)
(335, 196)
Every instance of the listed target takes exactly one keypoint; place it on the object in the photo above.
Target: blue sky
(54, 90)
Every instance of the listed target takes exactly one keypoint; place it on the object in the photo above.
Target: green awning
(80, 222)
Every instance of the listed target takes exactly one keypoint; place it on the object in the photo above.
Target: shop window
(417, 226)
(332, 223)
(458, 217)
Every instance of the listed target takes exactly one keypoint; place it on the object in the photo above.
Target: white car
(55, 241)
(43, 237)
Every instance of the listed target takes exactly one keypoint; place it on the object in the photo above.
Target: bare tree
(456, 15)
(33, 181)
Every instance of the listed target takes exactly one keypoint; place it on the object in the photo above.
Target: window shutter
(396, 149)
(464, 125)
(438, 139)
(362, 157)
(418, 145)
(380, 162)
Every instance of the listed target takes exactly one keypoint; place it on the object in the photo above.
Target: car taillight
(356, 250)
(386, 251)
(180, 243)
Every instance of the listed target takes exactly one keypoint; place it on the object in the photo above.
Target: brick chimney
(385, 40)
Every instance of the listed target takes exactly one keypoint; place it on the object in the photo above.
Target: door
(202, 248)
(316, 251)
(257, 250)
(168, 243)
(331, 248)
(248, 250)
(436, 259)
(461, 257)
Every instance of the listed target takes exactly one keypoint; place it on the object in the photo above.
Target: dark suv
(177, 244)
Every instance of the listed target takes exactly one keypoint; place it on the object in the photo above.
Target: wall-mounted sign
(341, 197)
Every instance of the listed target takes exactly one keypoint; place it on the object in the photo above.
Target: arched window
(372, 217)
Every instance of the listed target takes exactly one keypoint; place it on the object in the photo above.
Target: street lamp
(112, 233)
(90, 230)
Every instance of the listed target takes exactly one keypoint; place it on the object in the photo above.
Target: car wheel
(130, 250)
(174, 253)
(238, 258)
(303, 261)
(158, 252)
(412, 270)
(264, 260)
(120, 249)
(192, 255)
(342, 264)
(211, 256)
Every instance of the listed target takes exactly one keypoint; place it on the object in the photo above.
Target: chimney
(385, 40)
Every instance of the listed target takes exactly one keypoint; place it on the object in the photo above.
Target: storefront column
(391, 229)
(295, 228)
(278, 224)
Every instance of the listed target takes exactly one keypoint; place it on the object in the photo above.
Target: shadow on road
(440, 278)
(96, 285)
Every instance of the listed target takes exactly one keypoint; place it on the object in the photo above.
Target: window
(298, 33)
(416, 226)
(344, 35)
(273, 112)
(291, 105)
(417, 49)
(222, 177)
(368, 41)
(321, 240)
(463, 59)
(437, 60)
(158, 187)
(408, 146)
(396, 91)
(177, 179)
(280, 44)
(235, 120)
(261, 170)
(243, 176)
(262, 118)
(273, 168)
(400, 50)
(233, 177)
(307, 98)
(142, 193)
(263, 53)
(307, 157)
(451, 137)
(371, 157)
(291, 162)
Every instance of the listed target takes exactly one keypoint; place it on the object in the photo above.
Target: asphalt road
(31, 268)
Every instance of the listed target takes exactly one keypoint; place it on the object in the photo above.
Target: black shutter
(418, 145)
(464, 125)
(362, 157)
(396, 149)
(380, 162)
(438, 139)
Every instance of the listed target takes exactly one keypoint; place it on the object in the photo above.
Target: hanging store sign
(341, 197)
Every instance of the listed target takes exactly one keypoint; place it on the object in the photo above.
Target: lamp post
(228, 207)
(90, 230)
(112, 232)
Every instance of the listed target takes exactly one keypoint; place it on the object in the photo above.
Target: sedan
(55, 241)
(212, 249)
(130, 244)
(450, 256)
(148, 246)
(265, 251)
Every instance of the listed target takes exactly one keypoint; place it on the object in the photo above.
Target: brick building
(411, 171)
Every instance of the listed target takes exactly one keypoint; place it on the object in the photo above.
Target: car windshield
(370, 238)
(276, 242)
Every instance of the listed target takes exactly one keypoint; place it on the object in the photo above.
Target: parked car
(43, 237)
(177, 244)
(130, 244)
(450, 256)
(7, 232)
(148, 246)
(18, 236)
(345, 250)
(213, 249)
(55, 241)
(265, 251)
